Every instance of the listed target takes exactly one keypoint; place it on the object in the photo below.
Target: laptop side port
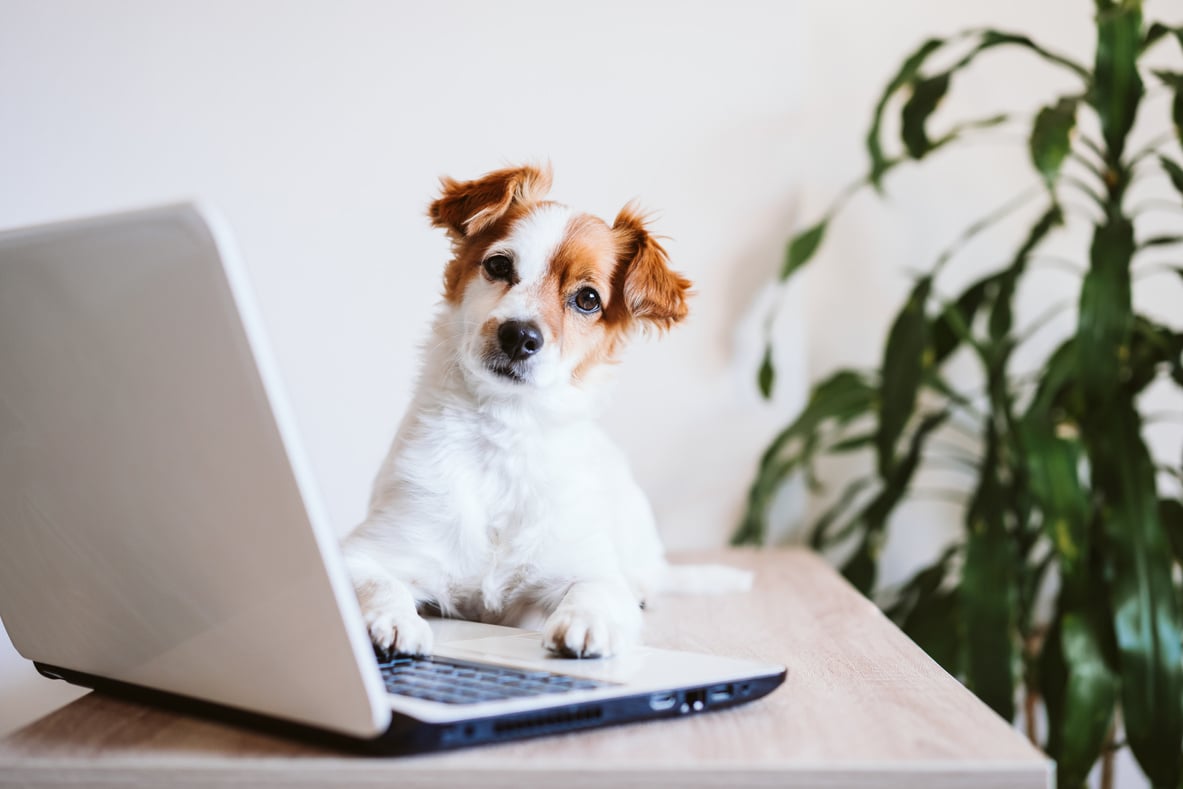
(720, 693)
(663, 701)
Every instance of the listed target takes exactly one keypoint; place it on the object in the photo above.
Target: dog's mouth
(504, 368)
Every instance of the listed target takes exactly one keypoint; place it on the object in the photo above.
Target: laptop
(161, 536)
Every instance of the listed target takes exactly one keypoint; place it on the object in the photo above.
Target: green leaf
(852, 444)
(1155, 32)
(1001, 314)
(843, 397)
(1174, 172)
(1080, 692)
(987, 122)
(994, 38)
(909, 73)
(1175, 80)
(802, 248)
(1055, 483)
(906, 75)
(1058, 388)
(947, 331)
(928, 625)
(859, 568)
(988, 601)
(924, 608)
(873, 518)
(1151, 347)
(1117, 87)
(1160, 241)
(1141, 593)
(840, 399)
(1170, 512)
(989, 591)
(902, 369)
(819, 537)
(1051, 138)
(1077, 682)
(1177, 112)
(767, 374)
(923, 582)
(1105, 320)
(926, 94)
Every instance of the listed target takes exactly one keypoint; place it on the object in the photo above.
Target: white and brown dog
(501, 500)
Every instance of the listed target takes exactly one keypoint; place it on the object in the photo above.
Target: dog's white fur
(501, 500)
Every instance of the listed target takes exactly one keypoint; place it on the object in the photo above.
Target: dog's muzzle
(517, 341)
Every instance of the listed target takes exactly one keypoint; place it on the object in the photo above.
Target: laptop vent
(548, 722)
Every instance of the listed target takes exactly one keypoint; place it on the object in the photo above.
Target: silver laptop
(161, 536)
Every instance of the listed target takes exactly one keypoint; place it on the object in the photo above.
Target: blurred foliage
(1067, 497)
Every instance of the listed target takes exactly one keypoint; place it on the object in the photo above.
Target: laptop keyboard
(457, 682)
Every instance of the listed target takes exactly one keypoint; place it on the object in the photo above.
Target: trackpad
(526, 651)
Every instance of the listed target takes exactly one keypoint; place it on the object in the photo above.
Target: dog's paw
(584, 634)
(396, 633)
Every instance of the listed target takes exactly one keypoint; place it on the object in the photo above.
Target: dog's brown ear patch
(465, 208)
(646, 285)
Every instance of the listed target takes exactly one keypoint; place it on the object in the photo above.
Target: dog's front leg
(594, 619)
(388, 608)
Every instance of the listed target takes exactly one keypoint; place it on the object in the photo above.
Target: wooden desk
(862, 706)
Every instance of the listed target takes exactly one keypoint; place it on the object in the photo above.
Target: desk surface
(862, 706)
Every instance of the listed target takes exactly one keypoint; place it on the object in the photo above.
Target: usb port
(720, 693)
(663, 701)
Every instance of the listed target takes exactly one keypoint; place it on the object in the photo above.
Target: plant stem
(1030, 700)
(1107, 752)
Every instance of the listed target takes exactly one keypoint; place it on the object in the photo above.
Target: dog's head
(541, 295)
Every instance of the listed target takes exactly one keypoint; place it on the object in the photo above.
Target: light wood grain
(862, 706)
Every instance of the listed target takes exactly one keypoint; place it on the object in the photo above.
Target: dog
(500, 499)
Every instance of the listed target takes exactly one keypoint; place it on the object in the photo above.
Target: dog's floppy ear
(465, 208)
(649, 289)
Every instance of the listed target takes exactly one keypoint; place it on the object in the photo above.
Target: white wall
(320, 130)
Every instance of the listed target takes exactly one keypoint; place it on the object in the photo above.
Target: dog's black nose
(519, 339)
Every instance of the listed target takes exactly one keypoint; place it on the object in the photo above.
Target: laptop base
(409, 736)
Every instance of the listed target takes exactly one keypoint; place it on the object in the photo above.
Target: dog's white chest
(512, 498)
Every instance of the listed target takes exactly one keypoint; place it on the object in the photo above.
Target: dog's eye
(587, 301)
(499, 267)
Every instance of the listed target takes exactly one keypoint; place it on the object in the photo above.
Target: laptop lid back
(157, 521)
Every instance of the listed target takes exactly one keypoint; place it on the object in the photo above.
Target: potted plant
(1065, 486)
